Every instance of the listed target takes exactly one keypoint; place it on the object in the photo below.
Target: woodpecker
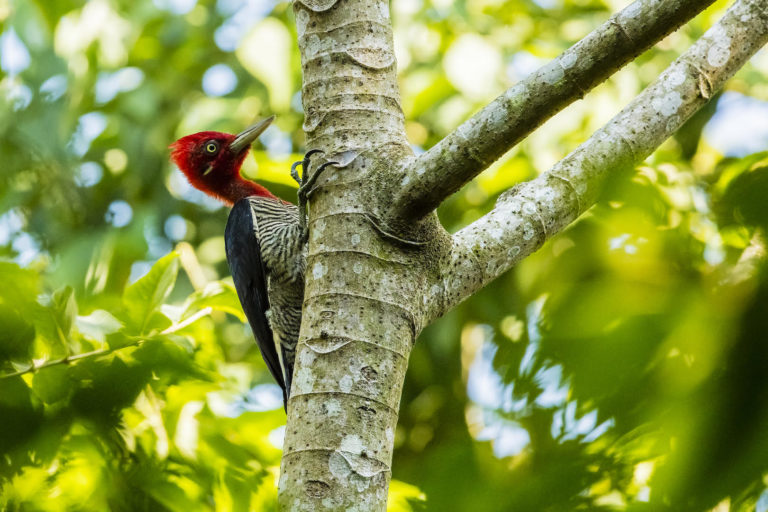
(265, 238)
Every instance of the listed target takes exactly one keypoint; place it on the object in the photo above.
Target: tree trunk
(380, 266)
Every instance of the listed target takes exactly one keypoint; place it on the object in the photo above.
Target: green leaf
(20, 286)
(744, 200)
(735, 168)
(21, 415)
(156, 323)
(52, 384)
(64, 307)
(107, 385)
(170, 356)
(173, 497)
(53, 322)
(145, 296)
(118, 340)
(219, 296)
(403, 496)
(16, 335)
(98, 324)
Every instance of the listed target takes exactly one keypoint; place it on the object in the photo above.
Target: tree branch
(529, 214)
(485, 137)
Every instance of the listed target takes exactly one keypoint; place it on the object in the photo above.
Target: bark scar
(623, 31)
(344, 464)
(376, 223)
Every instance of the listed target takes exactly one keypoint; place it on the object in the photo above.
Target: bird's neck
(240, 188)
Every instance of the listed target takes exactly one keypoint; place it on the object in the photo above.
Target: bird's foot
(304, 163)
(306, 187)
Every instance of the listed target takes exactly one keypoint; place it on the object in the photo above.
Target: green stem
(97, 353)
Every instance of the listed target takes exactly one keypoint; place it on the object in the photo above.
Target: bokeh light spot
(176, 6)
(54, 88)
(219, 80)
(14, 56)
(88, 174)
(277, 436)
(119, 213)
(472, 65)
(175, 227)
(116, 160)
(89, 126)
(16, 93)
(11, 223)
(109, 85)
(749, 114)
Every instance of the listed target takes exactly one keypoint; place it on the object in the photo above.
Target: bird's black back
(249, 274)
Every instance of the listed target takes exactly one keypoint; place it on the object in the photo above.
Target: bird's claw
(304, 163)
(307, 188)
(295, 173)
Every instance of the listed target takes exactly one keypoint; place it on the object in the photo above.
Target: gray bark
(378, 270)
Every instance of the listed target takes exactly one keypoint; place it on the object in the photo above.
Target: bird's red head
(211, 162)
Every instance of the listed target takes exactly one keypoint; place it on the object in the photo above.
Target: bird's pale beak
(245, 138)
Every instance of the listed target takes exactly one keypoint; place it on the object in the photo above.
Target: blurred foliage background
(621, 367)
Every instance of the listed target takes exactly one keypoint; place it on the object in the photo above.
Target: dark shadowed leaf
(53, 384)
(21, 415)
(16, 336)
(744, 200)
(105, 386)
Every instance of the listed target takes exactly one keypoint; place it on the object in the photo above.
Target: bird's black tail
(288, 380)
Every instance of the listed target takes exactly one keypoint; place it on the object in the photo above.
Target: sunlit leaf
(736, 167)
(64, 308)
(118, 340)
(98, 324)
(172, 356)
(172, 497)
(219, 296)
(20, 286)
(143, 297)
(263, 167)
(404, 497)
(157, 322)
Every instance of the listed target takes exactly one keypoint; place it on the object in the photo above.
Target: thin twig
(97, 353)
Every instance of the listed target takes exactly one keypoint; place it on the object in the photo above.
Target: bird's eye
(211, 147)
